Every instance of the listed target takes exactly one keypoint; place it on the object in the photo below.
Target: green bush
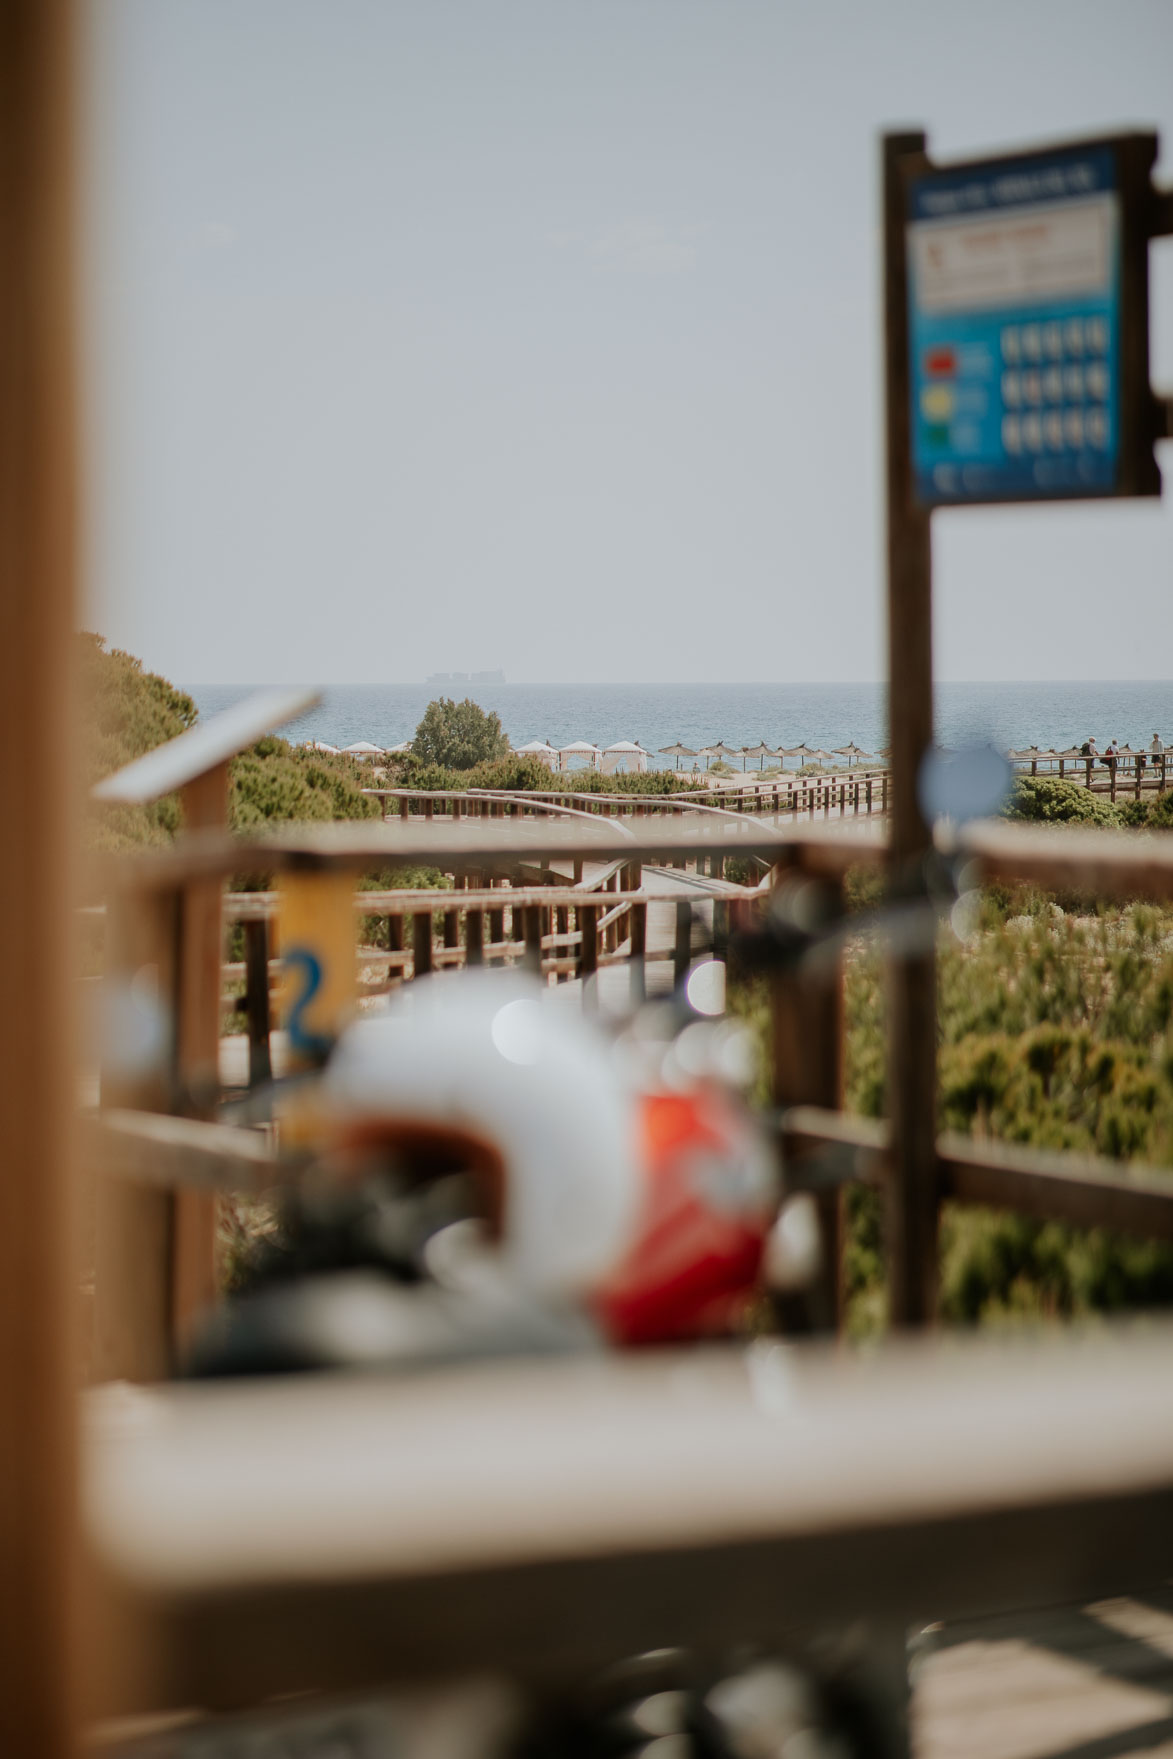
(459, 735)
(1056, 1032)
(522, 774)
(1052, 800)
(515, 774)
(275, 782)
(126, 711)
(649, 782)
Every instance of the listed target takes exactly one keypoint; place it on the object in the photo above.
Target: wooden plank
(912, 978)
(147, 1149)
(1085, 1191)
(1113, 864)
(206, 746)
(497, 846)
(38, 874)
(331, 1531)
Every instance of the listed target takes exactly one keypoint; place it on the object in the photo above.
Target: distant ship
(497, 677)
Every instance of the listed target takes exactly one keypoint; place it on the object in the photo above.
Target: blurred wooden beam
(147, 1149)
(205, 747)
(38, 1647)
(549, 1516)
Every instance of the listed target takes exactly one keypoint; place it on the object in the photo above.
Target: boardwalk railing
(566, 932)
(556, 932)
(864, 792)
(1134, 772)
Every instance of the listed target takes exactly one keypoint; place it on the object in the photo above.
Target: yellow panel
(317, 935)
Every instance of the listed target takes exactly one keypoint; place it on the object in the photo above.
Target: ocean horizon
(1009, 715)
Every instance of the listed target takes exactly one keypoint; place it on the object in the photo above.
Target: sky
(544, 334)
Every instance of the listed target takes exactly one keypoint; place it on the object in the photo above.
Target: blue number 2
(300, 962)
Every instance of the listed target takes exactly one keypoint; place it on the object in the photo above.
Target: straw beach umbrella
(677, 751)
(761, 751)
(320, 745)
(1034, 755)
(363, 749)
(851, 752)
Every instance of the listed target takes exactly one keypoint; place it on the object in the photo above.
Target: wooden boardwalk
(1093, 1682)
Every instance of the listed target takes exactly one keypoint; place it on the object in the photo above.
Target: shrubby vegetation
(519, 774)
(459, 735)
(274, 782)
(514, 773)
(1056, 1031)
(128, 711)
(1054, 800)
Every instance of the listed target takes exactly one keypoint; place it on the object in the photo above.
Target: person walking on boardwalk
(1111, 757)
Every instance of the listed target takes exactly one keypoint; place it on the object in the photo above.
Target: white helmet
(490, 1061)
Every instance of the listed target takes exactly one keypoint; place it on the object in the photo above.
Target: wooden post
(38, 1276)
(639, 947)
(474, 938)
(912, 977)
(497, 927)
(404, 806)
(132, 1331)
(806, 1040)
(682, 946)
(533, 938)
(194, 1274)
(421, 943)
(588, 956)
(451, 928)
(256, 965)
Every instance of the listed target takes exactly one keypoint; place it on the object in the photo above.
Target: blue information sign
(1014, 272)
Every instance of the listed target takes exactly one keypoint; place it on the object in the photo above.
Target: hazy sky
(544, 335)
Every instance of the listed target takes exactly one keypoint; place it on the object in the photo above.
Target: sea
(1010, 716)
